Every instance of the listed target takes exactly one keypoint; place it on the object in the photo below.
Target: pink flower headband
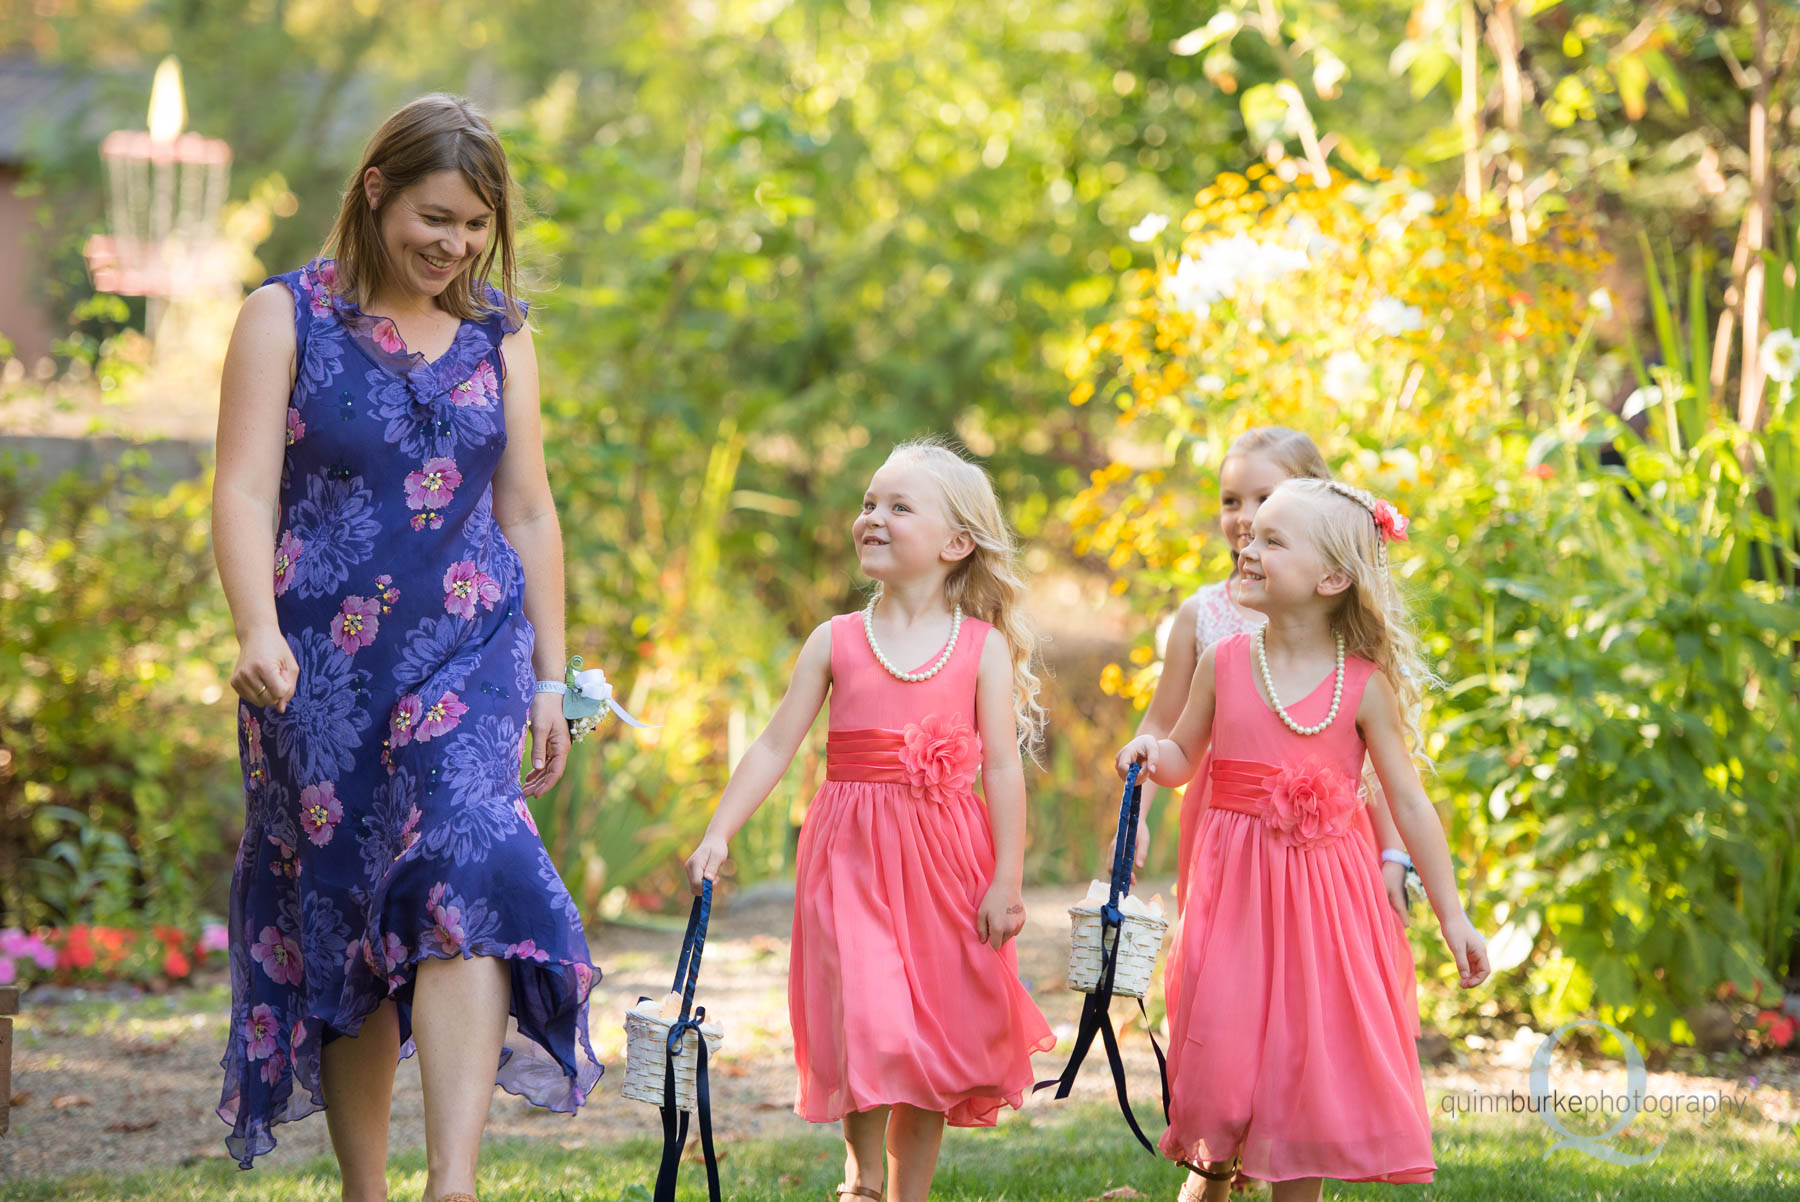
(1390, 523)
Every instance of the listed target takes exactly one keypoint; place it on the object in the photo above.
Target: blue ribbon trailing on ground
(1094, 1018)
(675, 1120)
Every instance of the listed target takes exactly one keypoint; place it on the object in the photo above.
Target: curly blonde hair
(1371, 613)
(988, 584)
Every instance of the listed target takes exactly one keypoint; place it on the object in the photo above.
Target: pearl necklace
(911, 677)
(1337, 691)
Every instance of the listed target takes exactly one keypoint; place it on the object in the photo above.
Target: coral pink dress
(893, 998)
(1302, 1062)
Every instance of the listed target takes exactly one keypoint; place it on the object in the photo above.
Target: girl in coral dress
(1255, 464)
(904, 995)
(1304, 1068)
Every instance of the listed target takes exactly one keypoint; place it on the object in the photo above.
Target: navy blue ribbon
(675, 1120)
(1094, 1018)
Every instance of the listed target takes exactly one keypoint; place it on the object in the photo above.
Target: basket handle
(687, 969)
(1124, 845)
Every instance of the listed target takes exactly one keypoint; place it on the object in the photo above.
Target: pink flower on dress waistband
(940, 757)
(1311, 804)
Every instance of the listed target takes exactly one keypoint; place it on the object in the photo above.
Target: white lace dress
(1217, 616)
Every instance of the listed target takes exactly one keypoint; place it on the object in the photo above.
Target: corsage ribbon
(590, 698)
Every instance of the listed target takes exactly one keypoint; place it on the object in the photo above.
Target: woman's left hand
(549, 744)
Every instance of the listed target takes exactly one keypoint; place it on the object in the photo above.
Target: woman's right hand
(706, 861)
(266, 673)
(1141, 750)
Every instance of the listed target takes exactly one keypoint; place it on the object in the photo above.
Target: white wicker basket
(1141, 937)
(646, 1041)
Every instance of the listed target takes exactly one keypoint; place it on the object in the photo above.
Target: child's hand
(1394, 877)
(706, 861)
(1001, 916)
(1141, 750)
(1470, 951)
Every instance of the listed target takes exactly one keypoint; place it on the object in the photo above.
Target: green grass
(1051, 1152)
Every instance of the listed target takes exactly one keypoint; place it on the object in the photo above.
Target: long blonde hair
(1371, 613)
(434, 133)
(987, 583)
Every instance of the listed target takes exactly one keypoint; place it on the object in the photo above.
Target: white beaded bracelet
(552, 686)
(1393, 855)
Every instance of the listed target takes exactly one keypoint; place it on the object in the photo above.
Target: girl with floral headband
(903, 993)
(1304, 1068)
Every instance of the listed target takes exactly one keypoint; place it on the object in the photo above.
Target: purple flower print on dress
(322, 729)
(287, 561)
(481, 387)
(272, 1068)
(386, 592)
(336, 522)
(465, 584)
(320, 812)
(393, 955)
(409, 830)
(296, 429)
(440, 717)
(319, 282)
(259, 1033)
(524, 812)
(433, 484)
(279, 956)
(357, 621)
(446, 935)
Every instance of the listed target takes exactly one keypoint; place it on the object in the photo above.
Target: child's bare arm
(1171, 760)
(1379, 719)
(757, 774)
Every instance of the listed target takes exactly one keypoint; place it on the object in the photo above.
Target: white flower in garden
(1151, 225)
(1395, 317)
(1209, 385)
(1346, 376)
(1224, 265)
(1641, 400)
(1781, 356)
(1189, 290)
(1601, 300)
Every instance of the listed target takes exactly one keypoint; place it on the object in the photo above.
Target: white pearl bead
(1337, 691)
(868, 618)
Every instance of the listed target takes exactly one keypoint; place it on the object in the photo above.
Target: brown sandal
(860, 1191)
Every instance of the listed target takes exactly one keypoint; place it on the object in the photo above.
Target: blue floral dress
(384, 819)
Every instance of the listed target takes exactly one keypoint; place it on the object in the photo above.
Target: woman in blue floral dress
(381, 504)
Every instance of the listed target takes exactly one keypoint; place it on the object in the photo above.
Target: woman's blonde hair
(987, 583)
(434, 133)
(1371, 613)
(1289, 450)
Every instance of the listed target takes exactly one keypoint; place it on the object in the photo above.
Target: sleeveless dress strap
(302, 299)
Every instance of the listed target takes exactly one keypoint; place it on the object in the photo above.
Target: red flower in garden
(77, 950)
(1543, 471)
(175, 964)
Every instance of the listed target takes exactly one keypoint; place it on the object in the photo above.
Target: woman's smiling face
(433, 231)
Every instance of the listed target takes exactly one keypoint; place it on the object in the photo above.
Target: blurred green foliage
(770, 240)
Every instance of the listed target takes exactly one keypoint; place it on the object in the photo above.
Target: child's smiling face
(1281, 566)
(1245, 481)
(904, 529)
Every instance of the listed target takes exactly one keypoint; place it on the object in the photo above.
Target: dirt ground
(135, 1082)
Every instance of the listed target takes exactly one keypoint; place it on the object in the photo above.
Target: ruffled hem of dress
(528, 1068)
(976, 1107)
(1197, 1152)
